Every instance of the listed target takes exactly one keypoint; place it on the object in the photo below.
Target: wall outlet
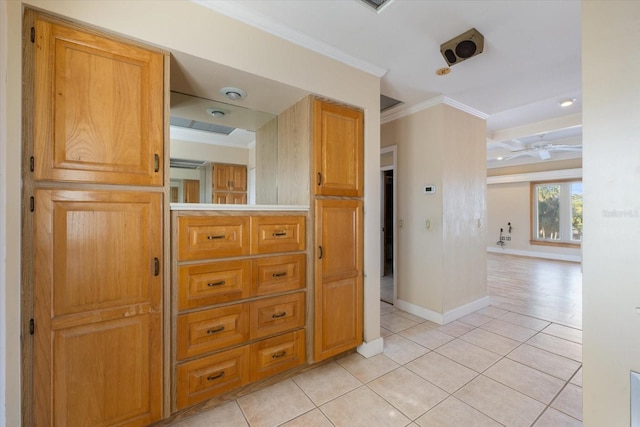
(502, 238)
(508, 238)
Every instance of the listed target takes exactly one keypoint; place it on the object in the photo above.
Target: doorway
(388, 196)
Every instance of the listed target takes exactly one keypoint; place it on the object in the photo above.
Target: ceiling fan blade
(522, 153)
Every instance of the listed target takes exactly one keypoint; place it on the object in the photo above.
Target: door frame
(393, 149)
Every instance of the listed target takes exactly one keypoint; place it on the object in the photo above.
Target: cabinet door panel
(98, 109)
(274, 315)
(272, 234)
(278, 274)
(212, 237)
(200, 285)
(277, 354)
(338, 150)
(97, 309)
(338, 277)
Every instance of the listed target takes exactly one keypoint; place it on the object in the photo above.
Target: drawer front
(274, 315)
(278, 274)
(212, 283)
(210, 376)
(277, 354)
(212, 237)
(211, 330)
(272, 234)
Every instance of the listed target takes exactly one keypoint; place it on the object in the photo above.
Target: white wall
(611, 177)
(511, 202)
(192, 29)
(208, 152)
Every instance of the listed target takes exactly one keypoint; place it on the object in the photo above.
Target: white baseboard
(442, 318)
(545, 255)
(371, 348)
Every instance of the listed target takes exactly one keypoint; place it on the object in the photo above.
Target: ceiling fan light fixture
(567, 103)
(216, 112)
(233, 93)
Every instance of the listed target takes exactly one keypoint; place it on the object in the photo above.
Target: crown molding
(403, 112)
(535, 176)
(238, 12)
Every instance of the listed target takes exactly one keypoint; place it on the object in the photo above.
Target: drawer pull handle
(279, 233)
(215, 377)
(216, 330)
(281, 274)
(212, 284)
(215, 237)
(279, 355)
(279, 315)
(156, 163)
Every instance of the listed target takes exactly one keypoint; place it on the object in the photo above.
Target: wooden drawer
(213, 329)
(210, 376)
(271, 234)
(278, 274)
(200, 285)
(212, 237)
(278, 314)
(277, 354)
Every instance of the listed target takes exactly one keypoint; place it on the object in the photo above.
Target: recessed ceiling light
(567, 103)
(216, 112)
(443, 71)
(233, 93)
(500, 158)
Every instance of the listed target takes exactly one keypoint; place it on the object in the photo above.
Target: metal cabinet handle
(156, 163)
(319, 178)
(278, 355)
(320, 250)
(279, 233)
(215, 237)
(215, 377)
(281, 274)
(279, 315)
(156, 267)
(212, 284)
(216, 330)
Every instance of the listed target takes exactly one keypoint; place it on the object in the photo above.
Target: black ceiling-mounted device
(464, 46)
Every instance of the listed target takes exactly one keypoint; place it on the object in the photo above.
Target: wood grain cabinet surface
(240, 312)
(98, 109)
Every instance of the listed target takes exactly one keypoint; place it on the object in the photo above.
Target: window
(556, 213)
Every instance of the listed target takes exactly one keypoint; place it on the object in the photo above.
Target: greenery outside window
(556, 213)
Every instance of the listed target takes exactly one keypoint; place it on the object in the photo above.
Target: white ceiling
(531, 58)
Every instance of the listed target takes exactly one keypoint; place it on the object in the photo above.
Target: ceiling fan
(541, 150)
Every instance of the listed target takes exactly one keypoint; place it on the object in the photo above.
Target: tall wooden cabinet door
(221, 177)
(191, 189)
(338, 277)
(238, 175)
(98, 109)
(338, 150)
(97, 308)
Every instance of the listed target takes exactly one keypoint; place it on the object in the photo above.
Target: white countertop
(215, 207)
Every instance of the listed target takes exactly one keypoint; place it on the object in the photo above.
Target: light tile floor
(490, 368)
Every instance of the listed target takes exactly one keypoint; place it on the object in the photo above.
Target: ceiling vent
(462, 47)
(377, 4)
(204, 126)
(387, 102)
(186, 164)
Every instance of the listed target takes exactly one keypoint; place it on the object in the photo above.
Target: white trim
(398, 113)
(443, 318)
(371, 348)
(236, 11)
(536, 176)
(533, 254)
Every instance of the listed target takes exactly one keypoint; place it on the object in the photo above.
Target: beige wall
(445, 147)
(209, 152)
(611, 177)
(511, 202)
(192, 29)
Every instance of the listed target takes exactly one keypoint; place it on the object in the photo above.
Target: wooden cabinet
(98, 109)
(240, 315)
(337, 150)
(94, 116)
(229, 184)
(338, 277)
(229, 198)
(98, 293)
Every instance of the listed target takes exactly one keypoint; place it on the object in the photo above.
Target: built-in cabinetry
(338, 270)
(229, 183)
(239, 282)
(93, 221)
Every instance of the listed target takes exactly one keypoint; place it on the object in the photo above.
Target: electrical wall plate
(429, 189)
